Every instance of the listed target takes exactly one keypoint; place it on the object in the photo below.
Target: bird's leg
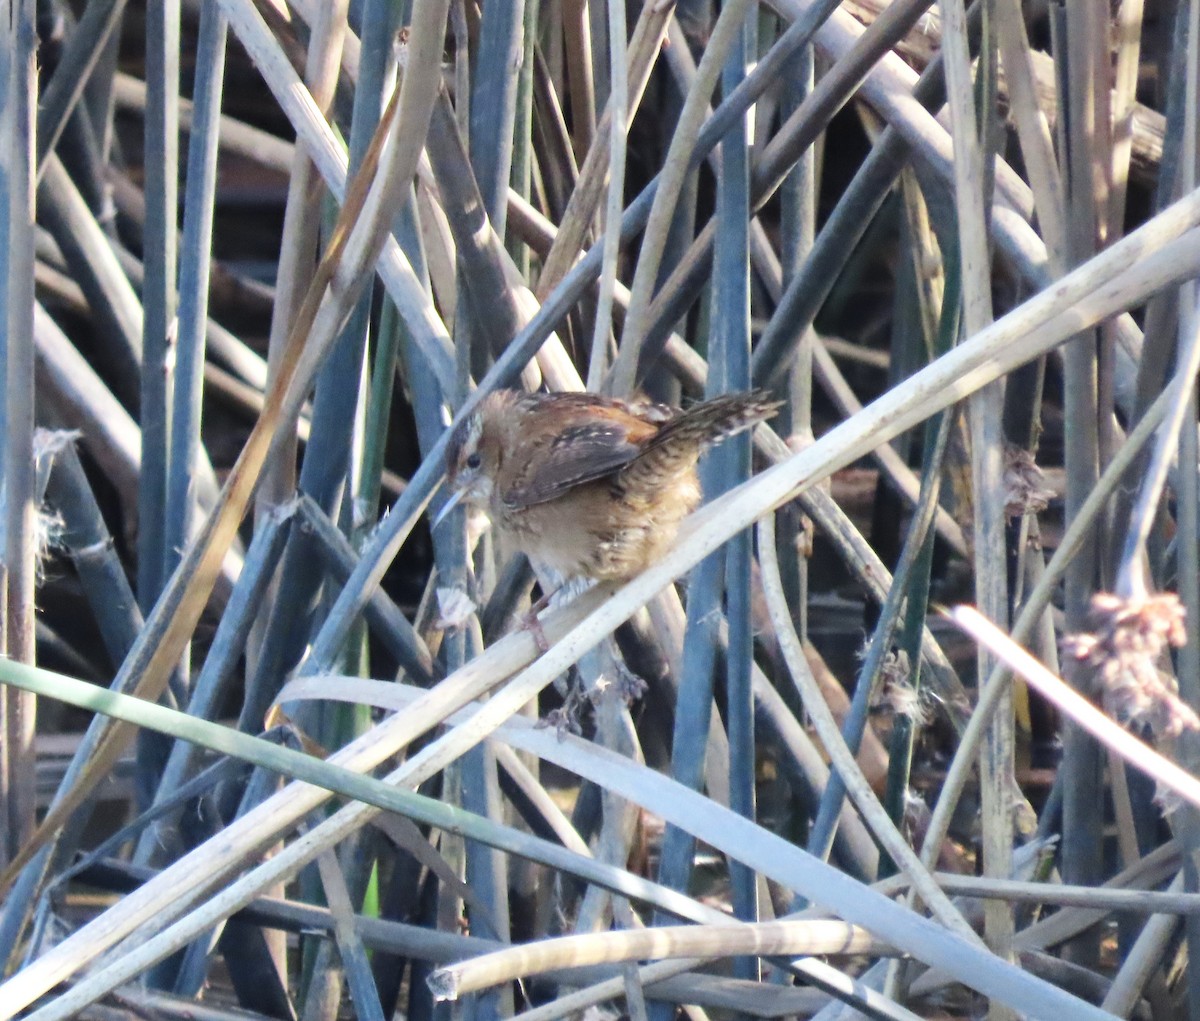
(555, 590)
(530, 622)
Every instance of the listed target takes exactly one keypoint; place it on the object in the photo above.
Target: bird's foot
(626, 685)
(566, 719)
(630, 685)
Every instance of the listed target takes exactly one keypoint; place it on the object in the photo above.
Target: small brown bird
(590, 486)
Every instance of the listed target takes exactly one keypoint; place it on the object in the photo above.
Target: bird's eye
(474, 461)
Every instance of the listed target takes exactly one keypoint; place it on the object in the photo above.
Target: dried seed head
(896, 693)
(1126, 651)
(1024, 489)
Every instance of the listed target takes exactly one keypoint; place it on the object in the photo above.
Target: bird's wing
(594, 440)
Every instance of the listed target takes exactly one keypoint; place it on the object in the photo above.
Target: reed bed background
(274, 748)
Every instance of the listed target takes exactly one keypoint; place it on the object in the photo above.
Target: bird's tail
(673, 452)
(706, 424)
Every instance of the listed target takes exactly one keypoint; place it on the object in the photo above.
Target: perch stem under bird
(590, 486)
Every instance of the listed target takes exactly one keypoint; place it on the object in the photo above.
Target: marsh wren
(590, 486)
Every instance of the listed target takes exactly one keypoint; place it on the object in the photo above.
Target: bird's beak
(448, 506)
